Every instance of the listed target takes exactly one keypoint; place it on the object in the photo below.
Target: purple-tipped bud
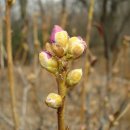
(48, 62)
(59, 37)
(76, 46)
(54, 31)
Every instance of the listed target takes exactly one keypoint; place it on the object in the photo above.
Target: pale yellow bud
(76, 47)
(74, 77)
(54, 100)
(61, 38)
(48, 61)
(48, 47)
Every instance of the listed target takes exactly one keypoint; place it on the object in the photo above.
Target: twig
(24, 108)
(121, 28)
(1, 46)
(6, 119)
(62, 92)
(118, 115)
(36, 68)
(87, 64)
(27, 87)
(10, 64)
(123, 112)
(64, 15)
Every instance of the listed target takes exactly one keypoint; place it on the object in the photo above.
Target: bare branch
(6, 119)
(27, 87)
(124, 107)
(123, 24)
(24, 108)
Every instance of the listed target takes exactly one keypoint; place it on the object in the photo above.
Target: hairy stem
(10, 65)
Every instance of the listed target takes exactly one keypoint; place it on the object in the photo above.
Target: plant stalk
(62, 92)
(1, 45)
(10, 65)
(86, 63)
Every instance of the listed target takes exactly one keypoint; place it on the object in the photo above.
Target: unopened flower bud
(48, 62)
(76, 46)
(59, 37)
(54, 100)
(58, 50)
(48, 48)
(74, 77)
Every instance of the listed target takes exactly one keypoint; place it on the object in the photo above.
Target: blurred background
(108, 85)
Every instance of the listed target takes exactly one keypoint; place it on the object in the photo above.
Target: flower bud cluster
(55, 58)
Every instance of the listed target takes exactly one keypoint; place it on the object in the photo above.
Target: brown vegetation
(101, 100)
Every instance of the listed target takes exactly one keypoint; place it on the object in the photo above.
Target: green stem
(62, 92)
